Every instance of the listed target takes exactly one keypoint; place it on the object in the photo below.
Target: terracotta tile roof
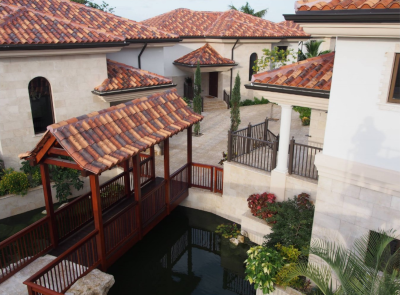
(65, 22)
(98, 141)
(305, 5)
(232, 23)
(291, 24)
(123, 77)
(312, 73)
(206, 55)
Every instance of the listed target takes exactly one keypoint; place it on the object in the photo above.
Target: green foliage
(103, 6)
(228, 230)
(112, 190)
(249, 102)
(304, 114)
(274, 58)
(64, 179)
(248, 10)
(262, 265)
(188, 101)
(312, 47)
(2, 169)
(14, 182)
(291, 256)
(197, 96)
(292, 224)
(235, 104)
(33, 173)
(368, 268)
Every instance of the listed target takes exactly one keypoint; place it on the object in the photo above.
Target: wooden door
(213, 84)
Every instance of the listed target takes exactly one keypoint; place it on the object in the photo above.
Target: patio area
(208, 148)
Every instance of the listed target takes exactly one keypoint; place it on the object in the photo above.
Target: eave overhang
(289, 90)
(138, 89)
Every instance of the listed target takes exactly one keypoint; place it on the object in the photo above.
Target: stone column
(278, 175)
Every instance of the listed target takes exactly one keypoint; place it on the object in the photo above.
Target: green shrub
(14, 182)
(304, 114)
(262, 266)
(256, 101)
(291, 256)
(292, 224)
(2, 169)
(33, 173)
(228, 230)
(247, 102)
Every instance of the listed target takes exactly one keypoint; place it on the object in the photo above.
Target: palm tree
(247, 9)
(370, 268)
(312, 47)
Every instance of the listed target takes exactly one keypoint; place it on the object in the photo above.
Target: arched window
(41, 104)
(253, 58)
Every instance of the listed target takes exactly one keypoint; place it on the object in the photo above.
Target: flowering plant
(259, 205)
(14, 182)
(228, 230)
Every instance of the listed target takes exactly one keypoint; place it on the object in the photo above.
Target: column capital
(285, 106)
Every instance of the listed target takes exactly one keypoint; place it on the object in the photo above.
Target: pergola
(101, 140)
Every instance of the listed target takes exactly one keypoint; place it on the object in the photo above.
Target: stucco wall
(357, 128)
(296, 185)
(317, 128)
(72, 78)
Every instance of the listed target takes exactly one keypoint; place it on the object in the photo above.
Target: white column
(279, 174)
(284, 138)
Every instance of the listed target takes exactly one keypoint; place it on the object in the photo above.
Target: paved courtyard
(208, 148)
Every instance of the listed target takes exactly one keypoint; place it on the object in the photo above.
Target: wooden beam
(189, 155)
(62, 163)
(167, 174)
(153, 163)
(127, 181)
(48, 199)
(98, 220)
(138, 192)
(58, 152)
(43, 151)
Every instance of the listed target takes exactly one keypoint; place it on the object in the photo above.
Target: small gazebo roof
(206, 56)
(101, 140)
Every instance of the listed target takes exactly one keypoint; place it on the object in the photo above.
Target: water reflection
(183, 255)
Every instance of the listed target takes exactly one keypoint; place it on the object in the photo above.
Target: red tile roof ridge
(118, 80)
(204, 57)
(308, 5)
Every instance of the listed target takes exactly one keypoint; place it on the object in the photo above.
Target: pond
(182, 255)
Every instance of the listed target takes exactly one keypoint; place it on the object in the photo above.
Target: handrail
(133, 204)
(179, 170)
(15, 236)
(264, 141)
(153, 190)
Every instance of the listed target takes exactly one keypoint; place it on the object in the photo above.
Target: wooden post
(189, 155)
(98, 220)
(44, 171)
(127, 181)
(138, 192)
(229, 145)
(153, 163)
(248, 145)
(166, 174)
(291, 155)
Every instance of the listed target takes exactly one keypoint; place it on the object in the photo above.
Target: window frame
(251, 71)
(395, 73)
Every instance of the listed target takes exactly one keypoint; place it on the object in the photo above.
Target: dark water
(182, 255)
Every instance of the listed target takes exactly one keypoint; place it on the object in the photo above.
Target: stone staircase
(213, 104)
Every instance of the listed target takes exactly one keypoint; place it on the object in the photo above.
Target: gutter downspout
(230, 91)
(140, 54)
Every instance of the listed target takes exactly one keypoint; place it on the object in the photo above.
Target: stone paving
(208, 148)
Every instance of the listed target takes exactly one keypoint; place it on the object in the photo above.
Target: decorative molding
(371, 177)
(123, 97)
(53, 52)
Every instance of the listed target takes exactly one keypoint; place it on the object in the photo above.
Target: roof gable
(46, 21)
(313, 73)
(123, 77)
(101, 140)
(231, 23)
(205, 55)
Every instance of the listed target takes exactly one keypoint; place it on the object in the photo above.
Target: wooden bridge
(95, 229)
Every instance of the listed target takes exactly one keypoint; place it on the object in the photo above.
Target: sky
(144, 9)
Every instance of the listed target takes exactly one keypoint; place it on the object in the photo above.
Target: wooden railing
(146, 171)
(227, 99)
(301, 160)
(58, 276)
(19, 250)
(153, 203)
(120, 228)
(260, 154)
(179, 183)
(203, 177)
